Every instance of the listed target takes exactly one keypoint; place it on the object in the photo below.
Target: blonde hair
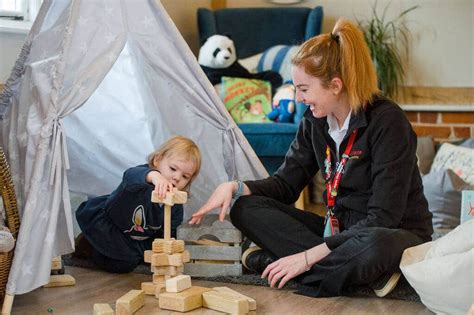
(344, 54)
(183, 147)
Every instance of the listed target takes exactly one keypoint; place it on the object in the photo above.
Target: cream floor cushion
(442, 271)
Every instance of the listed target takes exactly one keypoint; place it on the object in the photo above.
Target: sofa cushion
(278, 58)
(442, 189)
(425, 151)
(457, 158)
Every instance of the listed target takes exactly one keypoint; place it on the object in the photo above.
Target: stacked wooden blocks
(166, 258)
(218, 257)
(181, 296)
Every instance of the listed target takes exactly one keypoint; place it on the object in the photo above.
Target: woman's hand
(286, 268)
(162, 185)
(220, 198)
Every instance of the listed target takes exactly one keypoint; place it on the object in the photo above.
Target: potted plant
(384, 39)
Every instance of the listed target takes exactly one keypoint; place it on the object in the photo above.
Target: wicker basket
(12, 220)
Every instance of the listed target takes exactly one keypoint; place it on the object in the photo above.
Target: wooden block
(172, 198)
(186, 256)
(225, 302)
(160, 279)
(149, 288)
(178, 283)
(170, 246)
(183, 301)
(60, 281)
(160, 260)
(252, 302)
(103, 309)
(56, 263)
(160, 288)
(130, 302)
(167, 270)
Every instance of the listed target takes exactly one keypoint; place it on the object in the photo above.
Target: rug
(403, 291)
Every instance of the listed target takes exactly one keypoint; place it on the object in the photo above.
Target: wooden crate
(214, 246)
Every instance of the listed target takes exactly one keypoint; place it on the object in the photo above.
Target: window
(24, 10)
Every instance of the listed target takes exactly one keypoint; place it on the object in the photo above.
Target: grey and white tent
(99, 85)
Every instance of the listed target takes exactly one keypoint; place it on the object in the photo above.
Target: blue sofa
(254, 30)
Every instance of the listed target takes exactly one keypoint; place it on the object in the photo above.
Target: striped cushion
(278, 58)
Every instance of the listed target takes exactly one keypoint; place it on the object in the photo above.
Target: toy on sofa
(218, 58)
(283, 104)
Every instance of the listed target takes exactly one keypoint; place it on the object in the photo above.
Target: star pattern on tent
(26, 269)
(44, 215)
(83, 48)
(109, 12)
(56, 30)
(147, 22)
(82, 21)
(110, 38)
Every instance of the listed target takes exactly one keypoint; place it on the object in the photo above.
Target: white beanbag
(442, 272)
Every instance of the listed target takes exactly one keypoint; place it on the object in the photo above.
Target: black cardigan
(381, 185)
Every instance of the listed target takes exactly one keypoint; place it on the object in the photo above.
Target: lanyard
(332, 186)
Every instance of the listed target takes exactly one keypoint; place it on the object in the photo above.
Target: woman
(365, 148)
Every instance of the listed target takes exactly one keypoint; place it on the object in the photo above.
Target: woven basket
(12, 220)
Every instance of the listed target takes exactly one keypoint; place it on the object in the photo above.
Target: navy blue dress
(122, 225)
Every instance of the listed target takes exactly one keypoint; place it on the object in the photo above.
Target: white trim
(15, 27)
(438, 108)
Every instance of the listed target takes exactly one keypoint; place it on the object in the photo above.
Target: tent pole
(7, 304)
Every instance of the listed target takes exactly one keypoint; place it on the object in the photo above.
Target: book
(467, 205)
(247, 100)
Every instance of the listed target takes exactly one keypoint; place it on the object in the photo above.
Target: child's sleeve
(134, 178)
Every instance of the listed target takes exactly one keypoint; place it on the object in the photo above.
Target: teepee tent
(98, 86)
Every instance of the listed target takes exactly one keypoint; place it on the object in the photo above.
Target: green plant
(384, 39)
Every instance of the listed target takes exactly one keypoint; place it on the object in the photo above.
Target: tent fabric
(103, 84)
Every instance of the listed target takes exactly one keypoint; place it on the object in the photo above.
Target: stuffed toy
(283, 104)
(218, 58)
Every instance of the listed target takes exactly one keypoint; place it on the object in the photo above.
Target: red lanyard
(332, 186)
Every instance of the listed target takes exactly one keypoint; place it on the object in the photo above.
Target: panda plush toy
(218, 58)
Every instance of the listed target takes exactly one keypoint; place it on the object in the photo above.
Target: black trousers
(283, 230)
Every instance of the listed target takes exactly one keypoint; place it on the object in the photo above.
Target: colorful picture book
(467, 205)
(247, 100)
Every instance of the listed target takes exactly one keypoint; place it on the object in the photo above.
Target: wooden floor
(100, 287)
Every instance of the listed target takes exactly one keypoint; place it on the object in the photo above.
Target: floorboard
(99, 287)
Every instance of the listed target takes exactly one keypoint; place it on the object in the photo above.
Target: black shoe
(256, 259)
(83, 249)
(385, 284)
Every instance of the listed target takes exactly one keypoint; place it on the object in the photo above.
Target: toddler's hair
(182, 146)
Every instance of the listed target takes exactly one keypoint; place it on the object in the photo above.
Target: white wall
(442, 48)
(441, 51)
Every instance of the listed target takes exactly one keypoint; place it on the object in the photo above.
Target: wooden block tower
(167, 256)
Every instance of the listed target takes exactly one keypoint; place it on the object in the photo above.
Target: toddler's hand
(162, 185)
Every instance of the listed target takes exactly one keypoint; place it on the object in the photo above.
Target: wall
(442, 45)
(182, 12)
(441, 50)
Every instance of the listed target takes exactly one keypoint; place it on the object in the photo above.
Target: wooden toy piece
(183, 301)
(167, 270)
(170, 246)
(172, 198)
(57, 263)
(252, 302)
(160, 279)
(178, 283)
(160, 288)
(149, 288)
(130, 302)
(225, 302)
(103, 309)
(60, 281)
(160, 260)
